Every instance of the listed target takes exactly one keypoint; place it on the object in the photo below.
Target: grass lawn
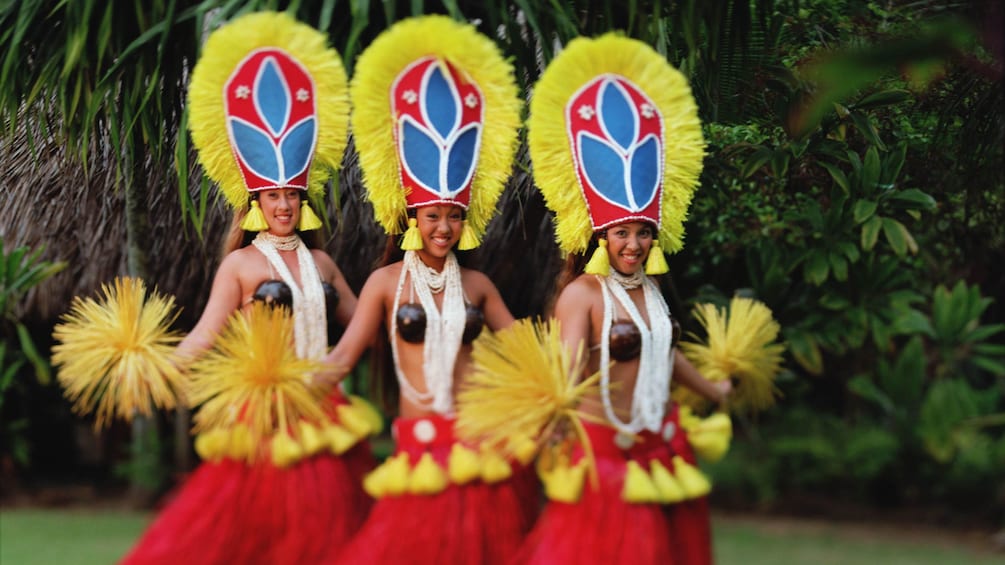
(100, 537)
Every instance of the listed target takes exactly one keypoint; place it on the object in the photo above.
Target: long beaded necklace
(310, 325)
(443, 334)
(652, 385)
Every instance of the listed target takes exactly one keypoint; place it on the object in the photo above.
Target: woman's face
(281, 208)
(440, 227)
(628, 246)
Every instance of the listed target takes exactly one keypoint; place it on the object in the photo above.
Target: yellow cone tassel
(564, 483)
(523, 448)
(354, 421)
(255, 219)
(375, 482)
(463, 465)
(412, 240)
(308, 219)
(368, 412)
(339, 439)
(311, 438)
(710, 437)
(656, 264)
(396, 479)
(669, 489)
(692, 480)
(285, 450)
(600, 262)
(240, 445)
(468, 238)
(427, 477)
(211, 445)
(639, 485)
(494, 467)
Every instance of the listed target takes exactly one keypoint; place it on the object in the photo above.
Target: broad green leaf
(870, 171)
(838, 175)
(862, 386)
(895, 235)
(805, 351)
(755, 161)
(883, 98)
(864, 209)
(914, 198)
(870, 232)
(816, 268)
(839, 266)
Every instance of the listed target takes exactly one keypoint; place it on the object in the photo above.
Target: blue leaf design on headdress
(296, 147)
(617, 115)
(420, 154)
(256, 149)
(440, 102)
(461, 158)
(272, 96)
(604, 169)
(644, 168)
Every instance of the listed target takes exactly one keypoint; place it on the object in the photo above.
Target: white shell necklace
(443, 334)
(652, 384)
(310, 319)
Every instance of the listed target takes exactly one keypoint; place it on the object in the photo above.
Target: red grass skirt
(230, 512)
(602, 528)
(474, 523)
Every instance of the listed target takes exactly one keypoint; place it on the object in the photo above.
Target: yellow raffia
(554, 171)
(224, 50)
(252, 379)
(740, 346)
(521, 385)
(373, 125)
(115, 355)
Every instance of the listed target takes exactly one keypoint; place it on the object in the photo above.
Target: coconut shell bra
(626, 341)
(277, 293)
(411, 319)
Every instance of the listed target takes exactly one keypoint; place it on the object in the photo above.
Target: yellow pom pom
(600, 263)
(255, 219)
(285, 450)
(669, 489)
(638, 486)
(692, 480)
(656, 264)
(710, 437)
(412, 240)
(469, 240)
(339, 439)
(308, 219)
(427, 477)
(311, 438)
(564, 483)
(463, 465)
(494, 467)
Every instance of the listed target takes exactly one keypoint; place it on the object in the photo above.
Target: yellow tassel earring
(468, 238)
(656, 264)
(600, 263)
(412, 240)
(308, 219)
(255, 219)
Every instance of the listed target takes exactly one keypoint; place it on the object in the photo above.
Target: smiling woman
(282, 461)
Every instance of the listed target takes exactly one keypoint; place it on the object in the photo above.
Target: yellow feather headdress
(614, 136)
(268, 107)
(436, 114)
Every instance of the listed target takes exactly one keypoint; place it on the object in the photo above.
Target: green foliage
(20, 271)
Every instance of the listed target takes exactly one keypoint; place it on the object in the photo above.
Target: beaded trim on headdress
(268, 107)
(435, 120)
(614, 136)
